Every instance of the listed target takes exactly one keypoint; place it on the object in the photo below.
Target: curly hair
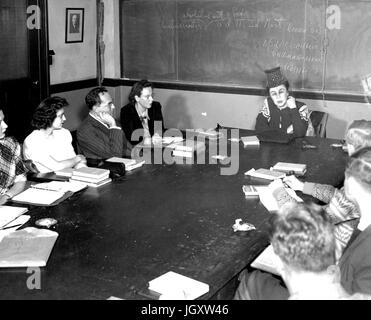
(359, 167)
(137, 89)
(359, 134)
(93, 98)
(46, 112)
(303, 237)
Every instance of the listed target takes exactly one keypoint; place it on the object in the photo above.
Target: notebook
(38, 196)
(29, 247)
(172, 285)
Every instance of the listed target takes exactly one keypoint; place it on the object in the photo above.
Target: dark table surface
(114, 239)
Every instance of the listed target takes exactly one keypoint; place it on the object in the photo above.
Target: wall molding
(74, 85)
(110, 82)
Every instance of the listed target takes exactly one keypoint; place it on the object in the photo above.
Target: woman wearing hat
(280, 111)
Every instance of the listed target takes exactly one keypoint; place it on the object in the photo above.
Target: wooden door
(24, 72)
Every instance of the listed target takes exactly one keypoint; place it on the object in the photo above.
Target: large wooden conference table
(114, 239)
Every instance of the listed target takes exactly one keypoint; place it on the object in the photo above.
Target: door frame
(38, 54)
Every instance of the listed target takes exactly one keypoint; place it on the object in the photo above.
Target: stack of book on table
(188, 149)
(130, 164)
(287, 167)
(93, 177)
(250, 141)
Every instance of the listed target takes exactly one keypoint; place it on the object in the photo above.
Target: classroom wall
(72, 61)
(190, 109)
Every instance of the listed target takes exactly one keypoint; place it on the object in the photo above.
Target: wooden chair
(319, 122)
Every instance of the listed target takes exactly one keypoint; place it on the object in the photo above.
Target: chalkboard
(321, 46)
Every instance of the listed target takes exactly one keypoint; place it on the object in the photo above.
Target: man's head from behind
(358, 135)
(99, 100)
(303, 238)
(358, 179)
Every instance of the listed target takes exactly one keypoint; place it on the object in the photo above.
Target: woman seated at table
(281, 112)
(342, 211)
(49, 146)
(142, 118)
(12, 169)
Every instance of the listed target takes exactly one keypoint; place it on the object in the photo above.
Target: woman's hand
(294, 183)
(4, 199)
(291, 102)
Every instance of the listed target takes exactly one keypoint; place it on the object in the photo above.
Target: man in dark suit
(98, 137)
(142, 117)
(74, 24)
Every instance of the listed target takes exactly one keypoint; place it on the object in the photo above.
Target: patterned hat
(274, 77)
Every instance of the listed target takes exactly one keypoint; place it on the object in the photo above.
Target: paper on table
(62, 186)
(172, 285)
(38, 196)
(29, 247)
(14, 225)
(267, 261)
(8, 214)
(267, 199)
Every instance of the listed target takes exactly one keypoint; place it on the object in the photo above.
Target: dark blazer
(130, 120)
(355, 264)
(96, 141)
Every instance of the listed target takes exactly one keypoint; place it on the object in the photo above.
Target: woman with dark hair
(281, 112)
(12, 169)
(142, 116)
(49, 146)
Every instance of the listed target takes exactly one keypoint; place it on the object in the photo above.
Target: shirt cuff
(115, 127)
(308, 188)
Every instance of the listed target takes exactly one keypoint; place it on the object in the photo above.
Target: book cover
(92, 184)
(288, 167)
(250, 141)
(67, 172)
(250, 190)
(89, 172)
(127, 162)
(265, 174)
(88, 179)
(29, 247)
(175, 285)
(134, 166)
(38, 196)
(189, 149)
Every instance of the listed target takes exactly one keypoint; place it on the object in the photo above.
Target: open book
(29, 247)
(174, 286)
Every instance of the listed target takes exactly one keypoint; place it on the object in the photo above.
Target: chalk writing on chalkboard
(232, 42)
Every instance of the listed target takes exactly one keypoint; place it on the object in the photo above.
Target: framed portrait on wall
(74, 25)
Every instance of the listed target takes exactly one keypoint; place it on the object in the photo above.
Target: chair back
(318, 120)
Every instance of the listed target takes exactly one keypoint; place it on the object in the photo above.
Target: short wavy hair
(46, 112)
(93, 98)
(359, 134)
(359, 167)
(137, 89)
(303, 237)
